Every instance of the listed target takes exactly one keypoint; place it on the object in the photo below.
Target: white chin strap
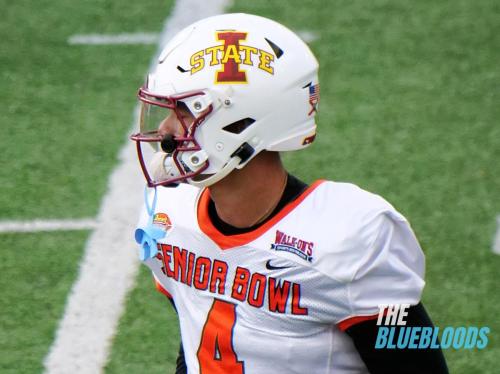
(163, 167)
(229, 167)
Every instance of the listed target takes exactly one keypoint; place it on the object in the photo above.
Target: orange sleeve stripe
(349, 322)
(160, 288)
(227, 242)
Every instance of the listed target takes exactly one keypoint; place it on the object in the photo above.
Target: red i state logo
(230, 56)
(231, 60)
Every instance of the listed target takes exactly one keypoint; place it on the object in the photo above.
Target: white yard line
(38, 225)
(496, 239)
(147, 38)
(105, 39)
(108, 269)
(107, 272)
(308, 36)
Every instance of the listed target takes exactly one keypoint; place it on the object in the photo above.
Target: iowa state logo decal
(231, 55)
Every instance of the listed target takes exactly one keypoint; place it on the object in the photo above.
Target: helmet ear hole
(239, 126)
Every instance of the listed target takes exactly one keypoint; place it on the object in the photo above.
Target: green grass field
(409, 110)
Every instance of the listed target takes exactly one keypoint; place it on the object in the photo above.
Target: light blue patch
(147, 237)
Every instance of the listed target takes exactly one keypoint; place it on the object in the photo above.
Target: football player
(267, 274)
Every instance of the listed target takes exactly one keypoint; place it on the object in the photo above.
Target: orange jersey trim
(345, 324)
(231, 241)
(349, 322)
(162, 290)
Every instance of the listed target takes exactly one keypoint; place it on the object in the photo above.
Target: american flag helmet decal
(313, 97)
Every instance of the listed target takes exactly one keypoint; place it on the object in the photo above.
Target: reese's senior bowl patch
(162, 220)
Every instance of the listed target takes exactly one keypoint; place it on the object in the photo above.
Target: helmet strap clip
(244, 152)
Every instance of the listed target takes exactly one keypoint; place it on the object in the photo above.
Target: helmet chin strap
(163, 168)
(229, 167)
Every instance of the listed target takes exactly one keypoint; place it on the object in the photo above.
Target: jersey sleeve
(160, 288)
(391, 271)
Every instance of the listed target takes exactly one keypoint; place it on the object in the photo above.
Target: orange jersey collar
(231, 241)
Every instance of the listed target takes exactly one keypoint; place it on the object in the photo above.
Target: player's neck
(247, 196)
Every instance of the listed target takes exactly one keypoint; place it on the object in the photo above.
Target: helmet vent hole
(181, 69)
(239, 126)
(277, 50)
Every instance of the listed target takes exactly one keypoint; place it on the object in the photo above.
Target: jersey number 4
(216, 353)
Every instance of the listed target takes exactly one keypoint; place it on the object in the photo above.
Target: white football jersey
(278, 299)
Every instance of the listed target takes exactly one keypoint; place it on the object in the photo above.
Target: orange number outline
(216, 352)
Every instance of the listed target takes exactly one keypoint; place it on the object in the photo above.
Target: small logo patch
(162, 220)
(313, 96)
(291, 244)
(270, 266)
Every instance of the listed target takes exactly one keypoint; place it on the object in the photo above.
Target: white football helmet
(250, 83)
